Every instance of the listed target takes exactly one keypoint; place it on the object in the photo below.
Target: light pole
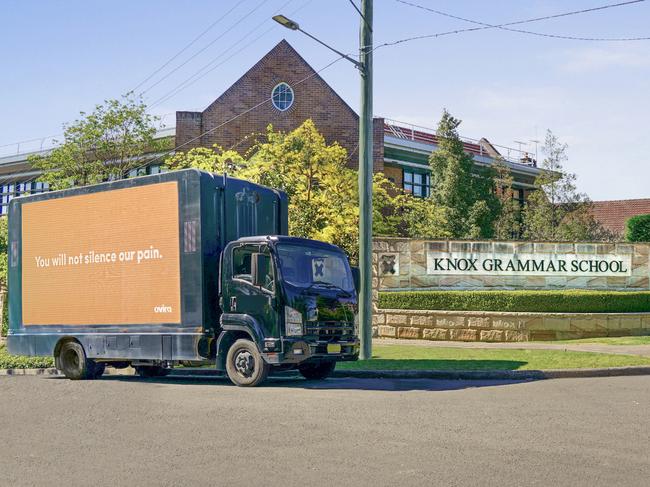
(365, 167)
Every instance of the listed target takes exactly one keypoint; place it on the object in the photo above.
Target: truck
(181, 268)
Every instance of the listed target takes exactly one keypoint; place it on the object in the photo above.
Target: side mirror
(356, 277)
(259, 268)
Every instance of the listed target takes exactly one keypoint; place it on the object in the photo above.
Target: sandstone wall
(402, 264)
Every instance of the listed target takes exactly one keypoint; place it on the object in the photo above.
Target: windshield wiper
(330, 286)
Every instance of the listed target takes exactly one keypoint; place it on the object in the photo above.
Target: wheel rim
(244, 363)
(71, 360)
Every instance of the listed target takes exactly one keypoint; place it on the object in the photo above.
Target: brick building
(614, 213)
(282, 89)
(285, 91)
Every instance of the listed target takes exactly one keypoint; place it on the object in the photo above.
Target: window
(282, 96)
(417, 184)
(146, 170)
(242, 266)
(241, 263)
(10, 191)
(518, 194)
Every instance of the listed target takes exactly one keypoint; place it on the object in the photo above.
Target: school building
(285, 91)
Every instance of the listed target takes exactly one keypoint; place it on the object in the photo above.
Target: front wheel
(245, 365)
(317, 370)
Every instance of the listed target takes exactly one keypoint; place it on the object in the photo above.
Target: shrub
(20, 362)
(637, 228)
(5, 316)
(572, 301)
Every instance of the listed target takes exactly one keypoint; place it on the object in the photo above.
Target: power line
(361, 14)
(200, 73)
(187, 46)
(504, 26)
(209, 67)
(250, 12)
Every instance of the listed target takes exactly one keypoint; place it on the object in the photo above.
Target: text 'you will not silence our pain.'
(136, 256)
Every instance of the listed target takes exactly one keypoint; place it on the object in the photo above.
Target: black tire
(317, 370)
(99, 370)
(149, 371)
(73, 362)
(245, 365)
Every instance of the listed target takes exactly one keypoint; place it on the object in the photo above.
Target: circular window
(282, 96)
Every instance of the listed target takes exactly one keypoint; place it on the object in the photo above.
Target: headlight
(292, 321)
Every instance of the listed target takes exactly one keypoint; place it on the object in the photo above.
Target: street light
(290, 24)
(285, 22)
(364, 65)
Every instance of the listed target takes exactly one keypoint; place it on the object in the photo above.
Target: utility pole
(365, 181)
(364, 65)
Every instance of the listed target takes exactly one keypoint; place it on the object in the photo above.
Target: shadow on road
(433, 364)
(340, 383)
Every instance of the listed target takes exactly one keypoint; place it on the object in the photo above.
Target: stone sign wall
(403, 264)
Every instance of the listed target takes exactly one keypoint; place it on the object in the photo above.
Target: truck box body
(130, 267)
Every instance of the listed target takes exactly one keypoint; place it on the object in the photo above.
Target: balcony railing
(416, 133)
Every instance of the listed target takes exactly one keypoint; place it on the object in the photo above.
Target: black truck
(181, 268)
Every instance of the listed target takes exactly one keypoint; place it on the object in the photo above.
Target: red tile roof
(613, 214)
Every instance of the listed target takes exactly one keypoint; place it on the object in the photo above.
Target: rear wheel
(99, 370)
(245, 365)
(74, 364)
(148, 371)
(317, 370)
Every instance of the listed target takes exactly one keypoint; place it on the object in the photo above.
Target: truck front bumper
(295, 351)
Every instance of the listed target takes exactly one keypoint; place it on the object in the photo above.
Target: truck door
(243, 297)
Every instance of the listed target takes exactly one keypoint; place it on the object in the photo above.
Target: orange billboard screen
(103, 258)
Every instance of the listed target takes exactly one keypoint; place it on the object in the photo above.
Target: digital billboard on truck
(105, 258)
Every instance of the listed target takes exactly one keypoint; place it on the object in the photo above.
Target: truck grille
(330, 330)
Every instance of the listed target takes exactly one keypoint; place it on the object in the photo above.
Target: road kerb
(400, 374)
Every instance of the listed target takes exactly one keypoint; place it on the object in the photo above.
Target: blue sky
(61, 57)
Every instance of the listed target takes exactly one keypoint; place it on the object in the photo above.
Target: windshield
(303, 266)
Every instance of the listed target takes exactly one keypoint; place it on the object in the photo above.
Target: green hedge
(20, 362)
(637, 228)
(521, 301)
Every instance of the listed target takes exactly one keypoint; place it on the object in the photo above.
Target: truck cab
(286, 303)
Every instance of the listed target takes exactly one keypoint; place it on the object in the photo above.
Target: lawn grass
(632, 340)
(410, 357)
(8, 361)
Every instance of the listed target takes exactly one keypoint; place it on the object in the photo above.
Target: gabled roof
(281, 50)
(614, 213)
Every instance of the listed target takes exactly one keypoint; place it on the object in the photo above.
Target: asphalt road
(128, 431)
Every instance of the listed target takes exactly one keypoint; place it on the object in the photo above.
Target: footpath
(641, 350)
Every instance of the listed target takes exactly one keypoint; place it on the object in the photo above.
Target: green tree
(508, 223)
(115, 138)
(322, 190)
(397, 214)
(215, 160)
(556, 210)
(464, 191)
(320, 186)
(637, 228)
(388, 203)
(423, 218)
